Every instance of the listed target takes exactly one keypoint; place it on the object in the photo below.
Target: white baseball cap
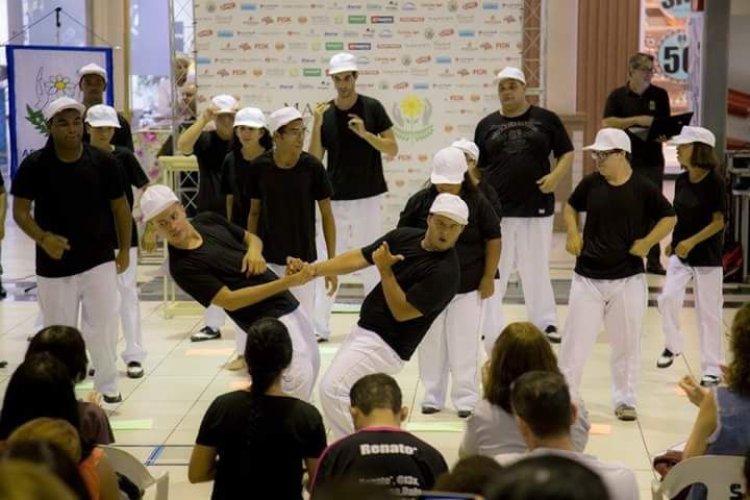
(467, 147)
(250, 117)
(61, 104)
(448, 166)
(281, 117)
(608, 139)
(156, 199)
(224, 103)
(509, 72)
(451, 206)
(102, 115)
(92, 69)
(689, 135)
(341, 62)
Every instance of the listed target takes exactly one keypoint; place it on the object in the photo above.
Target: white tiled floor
(182, 379)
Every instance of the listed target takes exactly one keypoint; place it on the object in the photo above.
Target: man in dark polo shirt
(76, 192)
(419, 276)
(636, 104)
(380, 452)
(93, 83)
(355, 131)
(218, 263)
(210, 147)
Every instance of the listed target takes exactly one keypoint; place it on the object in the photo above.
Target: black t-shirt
(261, 442)
(483, 225)
(491, 195)
(354, 167)
(287, 198)
(616, 216)
(71, 200)
(695, 204)
(123, 136)
(386, 456)
(235, 180)
(514, 155)
(210, 150)
(624, 103)
(131, 175)
(429, 280)
(204, 271)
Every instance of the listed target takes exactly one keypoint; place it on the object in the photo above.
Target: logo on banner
(412, 117)
(673, 56)
(357, 19)
(334, 45)
(381, 19)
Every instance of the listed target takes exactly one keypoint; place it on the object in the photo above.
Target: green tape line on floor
(132, 425)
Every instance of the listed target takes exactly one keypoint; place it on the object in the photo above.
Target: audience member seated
(40, 387)
(66, 344)
(256, 441)
(547, 478)
(380, 451)
(53, 458)
(21, 480)
(491, 430)
(722, 426)
(469, 475)
(544, 414)
(50, 430)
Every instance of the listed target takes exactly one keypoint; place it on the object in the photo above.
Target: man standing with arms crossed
(76, 192)
(636, 104)
(355, 130)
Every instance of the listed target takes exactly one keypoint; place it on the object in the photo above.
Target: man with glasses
(609, 286)
(284, 188)
(636, 104)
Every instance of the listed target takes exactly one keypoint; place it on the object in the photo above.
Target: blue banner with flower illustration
(38, 75)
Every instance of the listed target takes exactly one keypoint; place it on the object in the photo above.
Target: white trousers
(362, 353)
(130, 311)
(299, 379)
(215, 317)
(492, 320)
(94, 294)
(305, 294)
(358, 223)
(620, 305)
(451, 345)
(526, 247)
(707, 289)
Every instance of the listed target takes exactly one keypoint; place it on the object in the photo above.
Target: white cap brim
(103, 123)
(455, 218)
(249, 123)
(444, 179)
(343, 69)
(77, 106)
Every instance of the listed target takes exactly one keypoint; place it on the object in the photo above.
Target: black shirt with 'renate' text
(72, 200)
(616, 216)
(695, 205)
(386, 456)
(430, 280)
(514, 154)
(217, 263)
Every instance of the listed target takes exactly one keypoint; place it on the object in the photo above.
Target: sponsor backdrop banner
(430, 63)
(38, 75)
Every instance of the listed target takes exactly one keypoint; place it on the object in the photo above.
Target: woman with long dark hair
(256, 440)
(451, 345)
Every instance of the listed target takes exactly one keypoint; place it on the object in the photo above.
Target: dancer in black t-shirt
(210, 147)
(633, 106)
(101, 123)
(695, 252)
(515, 145)
(93, 82)
(452, 343)
(354, 130)
(609, 285)
(76, 190)
(219, 263)
(419, 275)
(256, 440)
(380, 452)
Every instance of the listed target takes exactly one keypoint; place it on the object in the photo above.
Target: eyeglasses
(650, 70)
(600, 156)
